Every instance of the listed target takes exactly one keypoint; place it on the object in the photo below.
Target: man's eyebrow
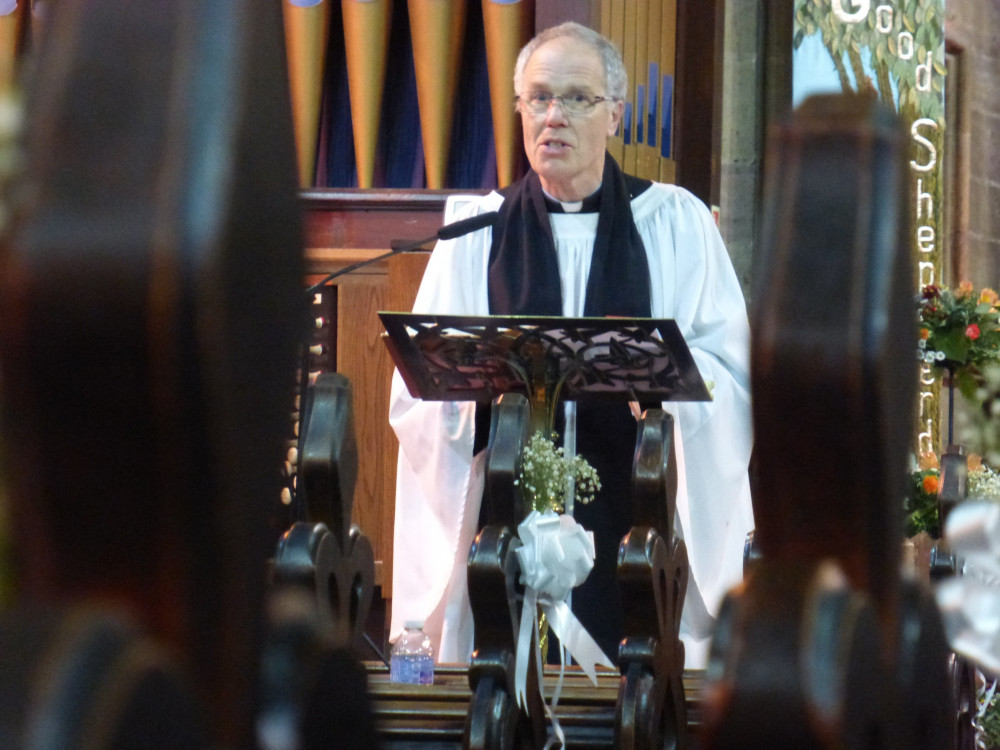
(545, 88)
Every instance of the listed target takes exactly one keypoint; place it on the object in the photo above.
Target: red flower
(972, 332)
(931, 291)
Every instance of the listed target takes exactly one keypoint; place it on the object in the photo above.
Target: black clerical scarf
(524, 279)
(524, 270)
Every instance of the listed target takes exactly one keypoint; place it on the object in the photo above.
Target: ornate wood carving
(653, 575)
(652, 572)
(495, 722)
(326, 553)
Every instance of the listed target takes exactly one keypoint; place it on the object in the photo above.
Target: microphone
(447, 232)
(465, 226)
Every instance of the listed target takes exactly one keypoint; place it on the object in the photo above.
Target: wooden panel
(370, 218)
(696, 106)
(361, 357)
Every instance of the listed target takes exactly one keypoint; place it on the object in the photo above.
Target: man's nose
(555, 113)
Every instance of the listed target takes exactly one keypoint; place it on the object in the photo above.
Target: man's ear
(617, 112)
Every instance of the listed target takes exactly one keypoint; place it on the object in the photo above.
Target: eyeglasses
(538, 102)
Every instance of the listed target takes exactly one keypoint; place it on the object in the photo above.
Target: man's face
(567, 151)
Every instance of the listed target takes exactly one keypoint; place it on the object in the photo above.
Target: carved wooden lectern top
(467, 358)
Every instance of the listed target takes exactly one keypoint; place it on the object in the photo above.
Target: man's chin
(555, 170)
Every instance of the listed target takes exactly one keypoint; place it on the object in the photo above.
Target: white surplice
(439, 483)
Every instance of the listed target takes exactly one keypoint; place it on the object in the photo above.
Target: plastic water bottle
(412, 657)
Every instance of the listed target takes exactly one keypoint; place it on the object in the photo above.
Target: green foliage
(921, 504)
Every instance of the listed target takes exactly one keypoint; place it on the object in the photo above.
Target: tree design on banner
(905, 40)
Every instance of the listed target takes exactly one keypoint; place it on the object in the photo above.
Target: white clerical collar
(570, 207)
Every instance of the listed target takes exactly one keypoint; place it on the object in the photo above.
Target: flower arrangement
(959, 330)
(921, 503)
(556, 553)
(988, 716)
(921, 509)
(546, 473)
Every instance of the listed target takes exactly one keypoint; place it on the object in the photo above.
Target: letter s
(925, 142)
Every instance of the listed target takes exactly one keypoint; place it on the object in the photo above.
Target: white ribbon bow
(556, 555)
(970, 603)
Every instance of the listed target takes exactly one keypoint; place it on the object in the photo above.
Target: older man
(577, 237)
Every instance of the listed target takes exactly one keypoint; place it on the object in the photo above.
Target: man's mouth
(554, 145)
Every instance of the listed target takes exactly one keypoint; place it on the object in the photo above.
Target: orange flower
(988, 296)
(925, 334)
(930, 484)
(964, 289)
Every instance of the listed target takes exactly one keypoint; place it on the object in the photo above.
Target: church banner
(893, 50)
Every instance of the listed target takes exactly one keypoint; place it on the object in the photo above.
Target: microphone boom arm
(447, 232)
(407, 248)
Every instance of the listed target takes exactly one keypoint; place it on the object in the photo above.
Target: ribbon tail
(578, 642)
(558, 737)
(529, 624)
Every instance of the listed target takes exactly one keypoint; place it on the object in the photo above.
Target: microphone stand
(447, 232)
(397, 248)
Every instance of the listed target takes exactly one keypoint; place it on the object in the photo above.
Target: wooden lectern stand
(523, 365)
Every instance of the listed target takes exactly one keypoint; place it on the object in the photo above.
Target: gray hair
(615, 76)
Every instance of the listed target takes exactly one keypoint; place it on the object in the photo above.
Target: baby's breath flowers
(984, 484)
(546, 473)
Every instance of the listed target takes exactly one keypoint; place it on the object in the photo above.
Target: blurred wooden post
(826, 644)
(150, 301)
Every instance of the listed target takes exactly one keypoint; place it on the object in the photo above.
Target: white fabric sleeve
(699, 289)
(438, 487)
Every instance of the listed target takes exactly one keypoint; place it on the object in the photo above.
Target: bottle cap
(413, 624)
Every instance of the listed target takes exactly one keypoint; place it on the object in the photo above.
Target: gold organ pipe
(437, 29)
(307, 30)
(366, 42)
(507, 26)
